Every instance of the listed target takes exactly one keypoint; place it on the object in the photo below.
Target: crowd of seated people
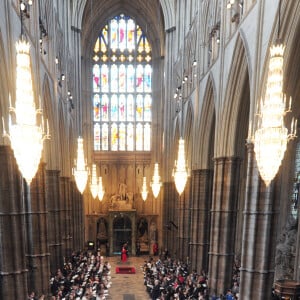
(85, 275)
(168, 279)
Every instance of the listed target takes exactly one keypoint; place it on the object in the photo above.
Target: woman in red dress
(124, 254)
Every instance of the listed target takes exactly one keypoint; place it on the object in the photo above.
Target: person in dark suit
(138, 249)
(156, 290)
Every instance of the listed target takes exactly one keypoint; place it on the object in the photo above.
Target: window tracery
(122, 87)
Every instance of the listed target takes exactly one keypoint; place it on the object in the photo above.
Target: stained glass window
(122, 87)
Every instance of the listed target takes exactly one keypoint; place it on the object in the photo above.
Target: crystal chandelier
(94, 182)
(25, 134)
(80, 170)
(271, 137)
(180, 172)
(144, 189)
(101, 190)
(156, 183)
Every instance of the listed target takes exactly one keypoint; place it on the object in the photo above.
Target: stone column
(200, 218)
(38, 251)
(184, 222)
(13, 270)
(81, 218)
(76, 220)
(258, 247)
(65, 215)
(223, 223)
(170, 214)
(170, 196)
(54, 234)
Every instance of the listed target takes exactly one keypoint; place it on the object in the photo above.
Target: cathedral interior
(164, 123)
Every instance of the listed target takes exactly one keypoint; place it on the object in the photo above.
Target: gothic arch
(230, 119)
(72, 147)
(149, 17)
(63, 141)
(176, 136)
(188, 128)
(205, 135)
(4, 88)
(168, 8)
(49, 113)
(291, 54)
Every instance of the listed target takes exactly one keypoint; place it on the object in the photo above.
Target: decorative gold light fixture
(80, 170)
(271, 137)
(25, 134)
(94, 182)
(101, 190)
(180, 171)
(144, 189)
(270, 140)
(156, 183)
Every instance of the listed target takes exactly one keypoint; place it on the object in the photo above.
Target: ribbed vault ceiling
(147, 13)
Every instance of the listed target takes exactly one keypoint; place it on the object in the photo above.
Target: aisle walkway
(128, 286)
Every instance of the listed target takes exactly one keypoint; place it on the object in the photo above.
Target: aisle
(127, 286)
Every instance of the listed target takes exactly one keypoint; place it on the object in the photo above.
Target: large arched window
(122, 87)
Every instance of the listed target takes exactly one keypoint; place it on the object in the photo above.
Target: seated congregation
(168, 278)
(84, 276)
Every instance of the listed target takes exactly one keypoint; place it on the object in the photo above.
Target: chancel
(172, 135)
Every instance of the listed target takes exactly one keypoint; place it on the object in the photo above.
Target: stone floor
(127, 286)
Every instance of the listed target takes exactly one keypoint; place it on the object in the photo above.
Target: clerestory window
(122, 87)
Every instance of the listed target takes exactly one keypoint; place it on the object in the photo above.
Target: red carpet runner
(125, 270)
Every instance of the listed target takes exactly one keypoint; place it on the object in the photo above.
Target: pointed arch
(150, 18)
(231, 120)
(188, 130)
(63, 141)
(168, 8)
(4, 88)
(291, 55)
(206, 133)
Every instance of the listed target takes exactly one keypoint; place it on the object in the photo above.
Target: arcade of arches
(132, 78)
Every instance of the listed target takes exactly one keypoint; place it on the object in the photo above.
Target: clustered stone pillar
(54, 234)
(65, 215)
(200, 218)
(36, 227)
(13, 269)
(223, 223)
(37, 235)
(184, 221)
(77, 220)
(170, 214)
(259, 244)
